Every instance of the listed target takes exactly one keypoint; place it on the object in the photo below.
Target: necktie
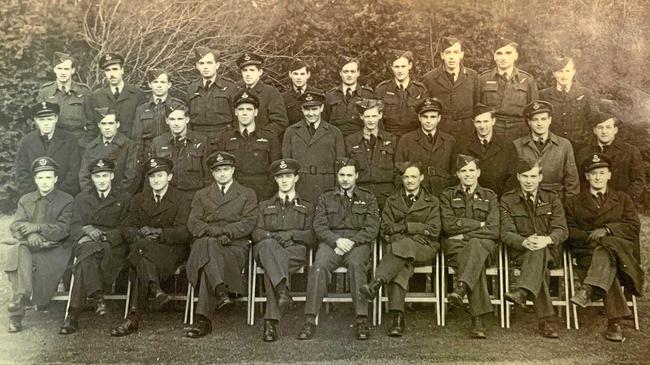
(157, 199)
(540, 143)
(429, 137)
(410, 199)
(180, 140)
(372, 141)
(348, 95)
(287, 202)
(64, 90)
(600, 198)
(505, 76)
(312, 129)
(468, 191)
(452, 77)
(530, 200)
(106, 143)
(484, 144)
(245, 134)
(299, 90)
(117, 93)
(223, 189)
(101, 195)
(603, 148)
(158, 101)
(208, 84)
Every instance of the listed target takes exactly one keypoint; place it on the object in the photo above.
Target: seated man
(40, 248)
(604, 239)
(282, 235)
(470, 220)
(346, 223)
(532, 226)
(100, 250)
(156, 230)
(410, 223)
(222, 217)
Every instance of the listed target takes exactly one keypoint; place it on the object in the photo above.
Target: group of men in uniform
(460, 162)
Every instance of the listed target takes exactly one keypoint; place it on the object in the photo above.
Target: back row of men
(158, 229)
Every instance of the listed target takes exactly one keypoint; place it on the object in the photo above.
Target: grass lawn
(160, 339)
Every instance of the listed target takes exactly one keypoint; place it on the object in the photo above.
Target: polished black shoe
(285, 302)
(371, 289)
(581, 298)
(478, 331)
(363, 332)
(614, 333)
(307, 331)
(161, 298)
(15, 325)
(201, 327)
(224, 301)
(546, 329)
(518, 297)
(19, 303)
(100, 307)
(270, 332)
(397, 325)
(455, 300)
(70, 325)
(129, 326)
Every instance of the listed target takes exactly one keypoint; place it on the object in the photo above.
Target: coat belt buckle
(313, 170)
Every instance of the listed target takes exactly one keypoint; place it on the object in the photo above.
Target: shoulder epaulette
(366, 87)
(49, 83)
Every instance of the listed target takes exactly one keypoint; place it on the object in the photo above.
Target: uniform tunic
(342, 111)
(294, 105)
(211, 111)
(272, 113)
(498, 162)
(72, 115)
(189, 157)
(571, 113)
(125, 105)
(400, 116)
(150, 122)
(120, 150)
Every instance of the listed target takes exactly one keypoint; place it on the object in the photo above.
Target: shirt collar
(489, 137)
(104, 192)
(48, 136)
(212, 80)
(344, 88)
(316, 125)
(68, 86)
(291, 195)
(120, 86)
(104, 140)
(350, 192)
(560, 88)
(405, 83)
(523, 194)
(161, 193)
(250, 128)
(228, 185)
(162, 98)
(510, 71)
(545, 137)
(595, 193)
(416, 193)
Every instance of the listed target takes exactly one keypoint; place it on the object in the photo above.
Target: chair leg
(187, 303)
(253, 295)
(567, 303)
(128, 297)
(438, 306)
(506, 285)
(502, 305)
(635, 311)
(574, 308)
(191, 305)
(441, 270)
(67, 306)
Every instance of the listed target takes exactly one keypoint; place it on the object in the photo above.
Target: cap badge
(219, 158)
(244, 96)
(108, 57)
(153, 163)
(247, 57)
(42, 162)
(427, 102)
(283, 164)
(595, 158)
(100, 163)
(536, 106)
(44, 105)
(309, 97)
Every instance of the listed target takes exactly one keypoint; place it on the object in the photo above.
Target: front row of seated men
(151, 233)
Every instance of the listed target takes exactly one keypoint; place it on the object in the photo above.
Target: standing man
(508, 90)
(341, 101)
(533, 226)
(150, 117)
(222, 217)
(627, 167)
(283, 233)
(346, 223)
(40, 249)
(158, 238)
(572, 103)
(71, 96)
(470, 219)
(299, 73)
(604, 239)
(100, 250)
(187, 149)
(111, 144)
(434, 150)
(374, 151)
(49, 141)
(209, 98)
(316, 145)
(497, 156)
(117, 95)
(272, 114)
(254, 147)
(400, 95)
(456, 86)
(410, 223)
(554, 153)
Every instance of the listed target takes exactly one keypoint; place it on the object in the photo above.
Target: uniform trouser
(223, 259)
(278, 262)
(510, 128)
(88, 279)
(21, 279)
(470, 258)
(320, 273)
(534, 277)
(602, 273)
(396, 271)
(145, 273)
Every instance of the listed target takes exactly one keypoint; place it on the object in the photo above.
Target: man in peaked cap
(498, 157)
(508, 90)
(433, 149)
(400, 94)
(272, 113)
(456, 86)
(470, 220)
(71, 96)
(554, 152)
(604, 240)
(373, 149)
(209, 98)
(346, 223)
(299, 73)
(410, 224)
(628, 170)
(47, 140)
(255, 147)
(316, 144)
(40, 250)
(187, 149)
(99, 248)
(113, 145)
(282, 236)
(341, 100)
(157, 234)
(222, 217)
(533, 228)
(118, 95)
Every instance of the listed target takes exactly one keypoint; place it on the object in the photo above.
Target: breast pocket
(359, 213)
(481, 209)
(520, 95)
(522, 223)
(195, 160)
(391, 105)
(338, 112)
(489, 94)
(148, 125)
(386, 157)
